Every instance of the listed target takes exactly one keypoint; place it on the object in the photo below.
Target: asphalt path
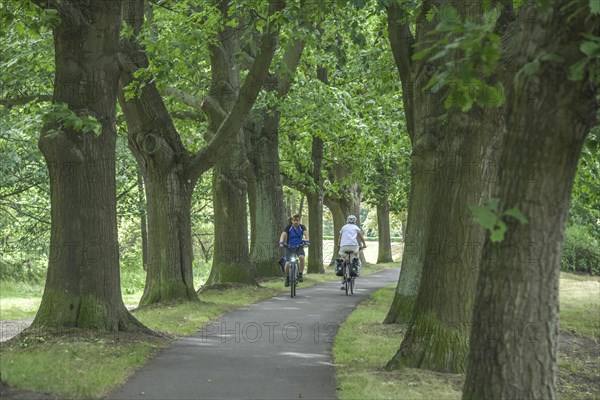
(279, 348)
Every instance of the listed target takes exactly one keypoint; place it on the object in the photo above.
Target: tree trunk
(164, 159)
(231, 262)
(463, 149)
(315, 224)
(417, 225)
(83, 285)
(170, 276)
(265, 190)
(143, 217)
(231, 259)
(155, 143)
(314, 196)
(514, 337)
(383, 232)
(339, 219)
(265, 195)
(437, 337)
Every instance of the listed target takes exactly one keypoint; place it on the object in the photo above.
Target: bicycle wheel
(346, 278)
(292, 272)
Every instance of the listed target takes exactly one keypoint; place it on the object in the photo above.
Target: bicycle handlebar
(305, 243)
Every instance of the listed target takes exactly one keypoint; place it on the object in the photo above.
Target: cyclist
(350, 239)
(294, 234)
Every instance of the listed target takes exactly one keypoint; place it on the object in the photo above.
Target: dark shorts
(288, 252)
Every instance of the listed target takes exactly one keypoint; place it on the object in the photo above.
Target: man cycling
(350, 239)
(295, 234)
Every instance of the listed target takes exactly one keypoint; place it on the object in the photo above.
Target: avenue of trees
(168, 137)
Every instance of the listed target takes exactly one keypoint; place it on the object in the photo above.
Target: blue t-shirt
(295, 234)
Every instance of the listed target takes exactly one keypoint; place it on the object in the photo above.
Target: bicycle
(293, 270)
(347, 270)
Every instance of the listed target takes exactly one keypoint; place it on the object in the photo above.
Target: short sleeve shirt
(349, 235)
(295, 235)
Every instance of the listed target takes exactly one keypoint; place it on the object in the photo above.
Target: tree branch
(208, 156)
(401, 42)
(16, 101)
(183, 97)
(291, 59)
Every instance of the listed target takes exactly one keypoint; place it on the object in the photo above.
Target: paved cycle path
(279, 348)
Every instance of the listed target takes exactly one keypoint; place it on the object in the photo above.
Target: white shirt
(349, 234)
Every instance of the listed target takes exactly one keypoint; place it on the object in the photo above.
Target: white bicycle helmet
(351, 219)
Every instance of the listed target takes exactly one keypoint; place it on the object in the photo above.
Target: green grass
(579, 302)
(91, 365)
(187, 318)
(73, 367)
(19, 300)
(364, 345)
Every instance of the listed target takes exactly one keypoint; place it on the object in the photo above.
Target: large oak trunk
(315, 223)
(514, 337)
(265, 194)
(414, 239)
(163, 161)
(83, 286)
(437, 337)
(231, 262)
(384, 254)
(231, 259)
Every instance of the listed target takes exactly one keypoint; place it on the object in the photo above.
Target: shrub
(581, 251)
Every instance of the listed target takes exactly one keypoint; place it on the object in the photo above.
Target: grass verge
(363, 346)
(82, 365)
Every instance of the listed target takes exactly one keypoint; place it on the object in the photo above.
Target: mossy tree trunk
(514, 336)
(83, 286)
(422, 109)
(384, 254)
(438, 332)
(463, 152)
(265, 190)
(315, 210)
(170, 171)
(231, 260)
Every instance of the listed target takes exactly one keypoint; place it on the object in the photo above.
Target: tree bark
(231, 261)
(464, 151)
(421, 109)
(83, 285)
(162, 159)
(315, 210)
(143, 218)
(315, 259)
(514, 336)
(384, 254)
(265, 194)
(171, 172)
(414, 238)
(437, 337)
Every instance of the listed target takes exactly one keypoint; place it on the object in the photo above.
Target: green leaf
(531, 67)
(516, 213)
(577, 70)
(557, 58)
(590, 48)
(497, 234)
(595, 6)
(484, 216)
